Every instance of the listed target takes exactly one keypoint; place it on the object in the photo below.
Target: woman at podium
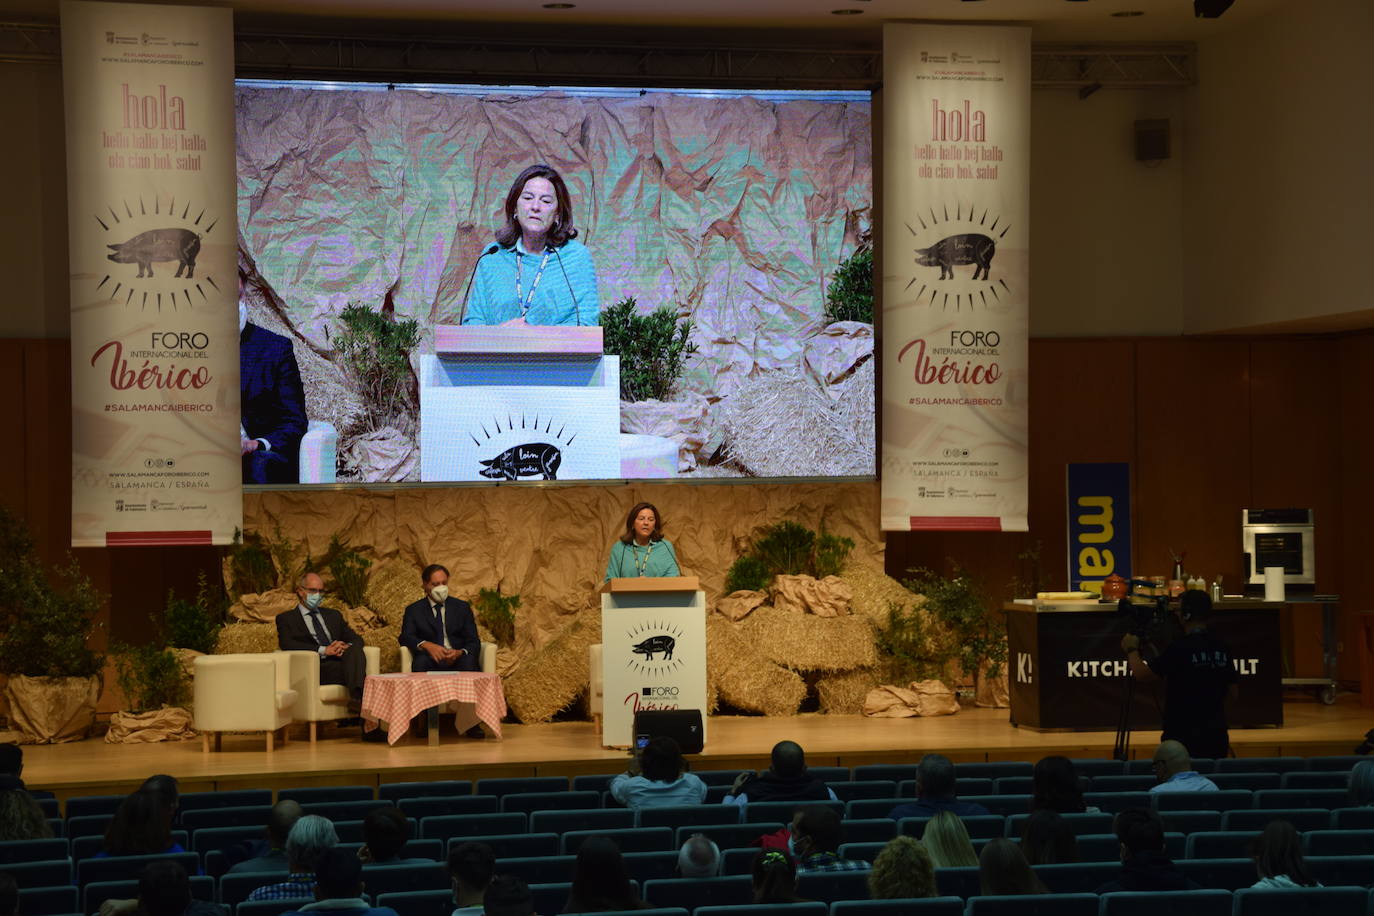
(536, 272)
(642, 550)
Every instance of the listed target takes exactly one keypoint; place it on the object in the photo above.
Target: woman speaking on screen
(537, 272)
(642, 550)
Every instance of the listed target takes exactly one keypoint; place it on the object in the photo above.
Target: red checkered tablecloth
(396, 698)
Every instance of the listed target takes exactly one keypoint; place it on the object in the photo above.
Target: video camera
(1146, 611)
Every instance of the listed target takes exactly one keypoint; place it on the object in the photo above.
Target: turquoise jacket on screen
(661, 560)
(566, 294)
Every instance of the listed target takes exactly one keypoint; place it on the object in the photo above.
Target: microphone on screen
(463, 310)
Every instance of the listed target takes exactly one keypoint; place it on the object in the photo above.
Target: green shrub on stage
(375, 350)
(653, 349)
(150, 677)
(194, 624)
(787, 549)
(850, 297)
(496, 612)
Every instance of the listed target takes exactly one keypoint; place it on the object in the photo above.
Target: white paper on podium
(653, 657)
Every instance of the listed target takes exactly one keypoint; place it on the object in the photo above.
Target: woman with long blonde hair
(946, 839)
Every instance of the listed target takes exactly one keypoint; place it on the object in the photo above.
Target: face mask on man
(312, 600)
(439, 593)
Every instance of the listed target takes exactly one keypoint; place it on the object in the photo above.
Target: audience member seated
(508, 895)
(1144, 865)
(164, 889)
(1277, 852)
(339, 888)
(12, 764)
(1055, 787)
(142, 825)
(9, 895)
(935, 792)
(20, 816)
(311, 837)
(1174, 770)
(470, 866)
(1362, 784)
(1047, 838)
(270, 856)
(775, 877)
(786, 779)
(600, 881)
(946, 839)
(903, 869)
(816, 837)
(166, 788)
(385, 833)
(658, 778)
(699, 857)
(1003, 870)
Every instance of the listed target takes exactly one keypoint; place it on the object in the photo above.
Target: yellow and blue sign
(1099, 523)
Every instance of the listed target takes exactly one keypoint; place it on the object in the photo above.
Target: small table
(396, 698)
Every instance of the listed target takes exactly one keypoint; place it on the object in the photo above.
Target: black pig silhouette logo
(664, 644)
(180, 245)
(534, 459)
(970, 248)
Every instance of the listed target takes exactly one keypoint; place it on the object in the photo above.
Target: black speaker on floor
(1152, 140)
(682, 725)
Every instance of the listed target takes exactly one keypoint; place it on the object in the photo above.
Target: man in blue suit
(440, 632)
(271, 405)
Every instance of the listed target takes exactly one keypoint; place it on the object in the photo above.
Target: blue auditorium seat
(1252, 781)
(651, 866)
(727, 836)
(582, 819)
(216, 838)
(239, 816)
(1105, 847)
(1082, 823)
(235, 887)
(95, 824)
(550, 897)
(1078, 877)
(727, 890)
(719, 777)
(656, 911)
(1202, 765)
(1224, 874)
(1256, 819)
(985, 826)
(830, 774)
(392, 879)
(89, 805)
(539, 869)
(1300, 798)
(1035, 905)
(630, 839)
(738, 861)
(866, 851)
(1209, 902)
(897, 772)
(84, 847)
(1007, 785)
(833, 885)
(97, 892)
(868, 788)
(1191, 821)
(716, 794)
(1261, 764)
(958, 882)
(863, 808)
(121, 868)
(1220, 844)
(1116, 802)
(1099, 766)
(47, 873)
(522, 785)
(311, 795)
(355, 810)
(927, 906)
(1004, 805)
(1338, 842)
(1344, 763)
(1322, 779)
(445, 788)
(64, 898)
(228, 798)
(1132, 783)
(1352, 818)
(512, 845)
(33, 850)
(1308, 901)
(593, 782)
(49, 807)
(1224, 800)
(681, 815)
(1342, 870)
(451, 825)
(548, 801)
(810, 908)
(270, 907)
(770, 811)
(995, 769)
(444, 805)
(419, 903)
(868, 830)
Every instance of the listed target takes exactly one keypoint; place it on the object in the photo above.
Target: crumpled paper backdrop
(739, 605)
(732, 210)
(52, 710)
(828, 597)
(683, 421)
(921, 698)
(170, 723)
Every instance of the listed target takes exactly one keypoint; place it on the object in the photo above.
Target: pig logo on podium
(147, 248)
(648, 647)
(534, 459)
(957, 250)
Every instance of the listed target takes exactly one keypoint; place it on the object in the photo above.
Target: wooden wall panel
(1353, 387)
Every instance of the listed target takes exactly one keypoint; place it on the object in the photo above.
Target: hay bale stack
(556, 675)
(842, 693)
(805, 642)
(391, 585)
(236, 638)
(745, 679)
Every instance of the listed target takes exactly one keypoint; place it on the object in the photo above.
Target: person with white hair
(308, 840)
(699, 857)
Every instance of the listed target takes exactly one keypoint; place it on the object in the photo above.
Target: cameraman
(1198, 679)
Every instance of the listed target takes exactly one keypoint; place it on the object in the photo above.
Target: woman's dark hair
(562, 227)
(1003, 870)
(1047, 838)
(142, 825)
(600, 881)
(20, 816)
(1055, 786)
(629, 535)
(164, 889)
(775, 877)
(9, 894)
(661, 760)
(1278, 851)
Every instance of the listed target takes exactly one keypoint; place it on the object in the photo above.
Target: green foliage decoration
(787, 548)
(251, 568)
(150, 677)
(747, 573)
(496, 612)
(347, 568)
(905, 638)
(850, 297)
(375, 349)
(194, 623)
(653, 348)
(976, 631)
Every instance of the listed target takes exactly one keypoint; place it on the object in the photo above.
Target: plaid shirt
(295, 886)
(829, 861)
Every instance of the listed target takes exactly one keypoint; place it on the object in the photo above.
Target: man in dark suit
(309, 626)
(271, 405)
(440, 632)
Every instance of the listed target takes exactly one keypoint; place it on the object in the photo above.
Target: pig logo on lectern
(648, 647)
(956, 250)
(534, 459)
(180, 245)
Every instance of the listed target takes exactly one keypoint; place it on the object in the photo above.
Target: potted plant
(155, 685)
(977, 634)
(53, 674)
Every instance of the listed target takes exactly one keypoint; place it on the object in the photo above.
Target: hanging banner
(1099, 515)
(956, 255)
(149, 96)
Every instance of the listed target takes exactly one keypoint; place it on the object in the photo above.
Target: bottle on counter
(1216, 590)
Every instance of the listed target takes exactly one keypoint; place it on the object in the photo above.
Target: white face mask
(439, 593)
(243, 317)
(313, 599)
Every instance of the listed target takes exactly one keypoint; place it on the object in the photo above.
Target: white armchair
(318, 453)
(464, 714)
(243, 693)
(318, 702)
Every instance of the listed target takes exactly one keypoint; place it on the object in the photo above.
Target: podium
(520, 403)
(653, 656)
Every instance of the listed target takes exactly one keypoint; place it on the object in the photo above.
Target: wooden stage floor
(572, 748)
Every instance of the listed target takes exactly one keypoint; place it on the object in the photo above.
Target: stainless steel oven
(1279, 537)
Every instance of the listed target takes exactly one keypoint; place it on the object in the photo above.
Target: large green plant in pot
(975, 628)
(45, 631)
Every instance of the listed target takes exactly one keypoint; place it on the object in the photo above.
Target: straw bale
(739, 605)
(805, 642)
(828, 597)
(842, 693)
(237, 638)
(743, 678)
(391, 585)
(554, 676)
